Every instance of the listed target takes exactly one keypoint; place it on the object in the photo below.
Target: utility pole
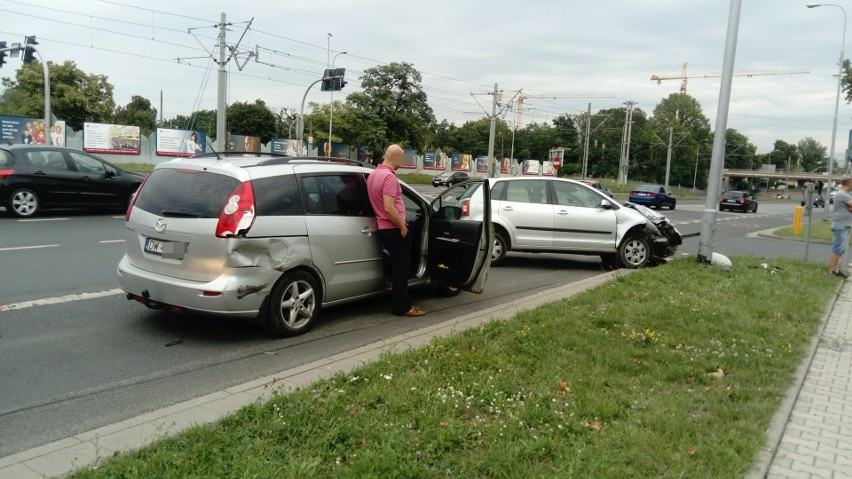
(625, 143)
(222, 90)
(669, 157)
(586, 143)
(714, 181)
(491, 134)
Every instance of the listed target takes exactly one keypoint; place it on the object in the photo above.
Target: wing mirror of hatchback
(606, 204)
(109, 175)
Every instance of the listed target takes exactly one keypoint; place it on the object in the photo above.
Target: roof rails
(284, 160)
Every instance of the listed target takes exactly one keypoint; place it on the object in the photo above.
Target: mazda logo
(160, 225)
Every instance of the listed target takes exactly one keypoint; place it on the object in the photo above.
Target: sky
(560, 54)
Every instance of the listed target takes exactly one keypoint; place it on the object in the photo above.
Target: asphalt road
(77, 355)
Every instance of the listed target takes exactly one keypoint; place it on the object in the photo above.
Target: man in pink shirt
(385, 195)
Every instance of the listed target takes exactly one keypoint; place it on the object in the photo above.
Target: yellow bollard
(797, 221)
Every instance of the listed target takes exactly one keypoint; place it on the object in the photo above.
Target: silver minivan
(273, 239)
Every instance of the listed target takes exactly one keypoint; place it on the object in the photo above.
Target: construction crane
(744, 73)
(519, 113)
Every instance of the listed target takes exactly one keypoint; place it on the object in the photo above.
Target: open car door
(461, 236)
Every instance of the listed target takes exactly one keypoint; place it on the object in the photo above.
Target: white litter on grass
(721, 260)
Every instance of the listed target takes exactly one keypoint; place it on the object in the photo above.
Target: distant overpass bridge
(793, 175)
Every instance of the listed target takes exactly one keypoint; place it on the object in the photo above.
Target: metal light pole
(837, 100)
(331, 105)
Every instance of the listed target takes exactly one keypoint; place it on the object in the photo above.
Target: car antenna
(210, 145)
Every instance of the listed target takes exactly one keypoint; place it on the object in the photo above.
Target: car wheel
(23, 203)
(634, 252)
(498, 252)
(293, 304)
(672, 206)
(755, 209)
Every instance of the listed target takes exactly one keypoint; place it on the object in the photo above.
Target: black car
(449, 178)
(738, 201)
(33, 177)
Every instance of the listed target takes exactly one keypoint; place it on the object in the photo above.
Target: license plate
(153, 246)
(640, 194)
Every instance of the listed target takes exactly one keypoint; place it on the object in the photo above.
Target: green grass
(672, 371)
(820, 230)
(137, 167)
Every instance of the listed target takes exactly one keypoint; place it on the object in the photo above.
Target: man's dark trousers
(400, 260)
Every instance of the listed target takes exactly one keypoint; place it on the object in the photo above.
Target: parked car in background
(559, 215)
(36, 177)
(598, 185)
(653, 196)
(449, 178)
(738, 201)
(273, 239)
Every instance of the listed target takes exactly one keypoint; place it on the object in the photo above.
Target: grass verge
(672, 371)
(820, 230)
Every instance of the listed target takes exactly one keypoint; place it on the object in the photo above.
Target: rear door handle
(367, 231)
(563, 213)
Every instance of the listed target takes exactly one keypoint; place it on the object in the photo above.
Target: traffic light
(332, 79)
(28, 52)
(2, 54)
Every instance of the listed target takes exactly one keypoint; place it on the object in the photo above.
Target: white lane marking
(14, 248)
(59, 299)
(111, 241)
(42, 219)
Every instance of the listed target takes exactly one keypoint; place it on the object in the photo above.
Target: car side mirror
(606, 204)
(109, 174)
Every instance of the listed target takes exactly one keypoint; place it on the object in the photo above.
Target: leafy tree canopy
(138, 112)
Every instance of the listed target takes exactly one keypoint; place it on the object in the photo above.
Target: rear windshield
(183, 193)
(735, 194)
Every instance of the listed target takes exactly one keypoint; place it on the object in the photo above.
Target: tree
(813, 155)
(75, 96)
(319, 117)
(739, 153)
(203, 120)
(391, 108)
(689, 126)
(138, 112)
(253, 119)
(781, 152)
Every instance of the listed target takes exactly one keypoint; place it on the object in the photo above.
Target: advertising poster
(22, 130)
(461, 162)
(57, 133)
(547, 169)
(506, 166)
(529, 167)
(430, 160)
(364, 154)
(482, 164)
(409, 159)
(180, 142)
(337, 150)
(245, 143)
(286, 146)
(116, 139)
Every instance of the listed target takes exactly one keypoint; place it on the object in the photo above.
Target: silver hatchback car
(274, 239)
(559, 215)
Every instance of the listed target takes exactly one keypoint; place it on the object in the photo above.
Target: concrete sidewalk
(810, 435)
(66, 455)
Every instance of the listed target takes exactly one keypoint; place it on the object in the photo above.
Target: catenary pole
(221, 136)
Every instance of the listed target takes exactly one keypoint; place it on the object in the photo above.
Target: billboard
(529, 167)
(23, 130)
(409, 158)
(286, 146)
(180, 142)
(338, 150)
(461, 162)
(548, 168)
(482, 164)
(506, 166)
(107, 138)
(243, 143)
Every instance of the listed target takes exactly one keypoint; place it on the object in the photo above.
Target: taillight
(465, 207)
(5, 173)
(133, 199)
(653, 195)
(238, 213)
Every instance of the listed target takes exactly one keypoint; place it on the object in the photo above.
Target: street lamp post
(331, 105)
(837, 100)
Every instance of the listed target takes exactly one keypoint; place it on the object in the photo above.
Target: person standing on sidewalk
(841, 222)
(385, 195)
